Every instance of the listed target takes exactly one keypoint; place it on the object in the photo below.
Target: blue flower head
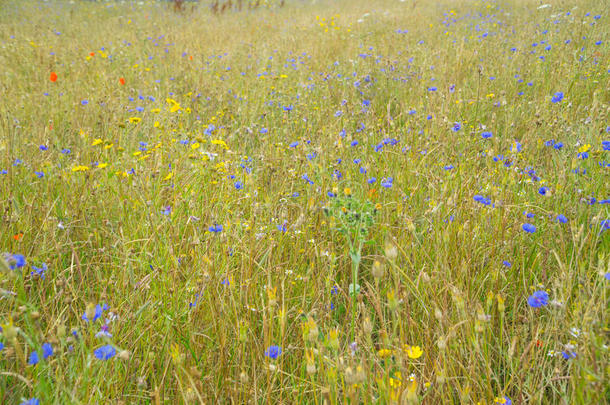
(481, 199)
(47, 350)
(105, 352)
(538, 299)
(33, 359)
(529, 228)
(567, 355)
(557, 97)
(216, 228)
(561, 218)
(31, 401)
(39, 271)
(99, 310)
(15, 261)
(273, 352)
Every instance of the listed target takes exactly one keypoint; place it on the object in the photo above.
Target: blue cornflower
(486, 134)
(606, 144)
(31, 401)
(433, 88)
(366, 103)
(371, 180)
(387, 183)
(273, 352)
(557, 97)
(47, 350)
(561, 218)
(605, 225)
(307, 179)
(558, 145)
(543, 190)
(239, 185)
(354, 143)
(43, 147)
(456, 126)
(529, 228)
(264, 130)
(449, 167)
(15, 261)
(482, 200)
(538, 299)
(167, 210)
(568, 354)
(293, 144)
(84, 102)
(99, 310)
(507, 263)
(105, 352)
(2, 344)
(40, 175)
(215, 228)
(33, 359)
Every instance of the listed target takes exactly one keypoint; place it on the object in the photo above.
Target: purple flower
(538, 299)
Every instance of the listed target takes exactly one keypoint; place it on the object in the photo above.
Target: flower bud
(377, 270)
(390, 250)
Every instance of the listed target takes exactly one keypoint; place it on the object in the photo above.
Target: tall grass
(210, 179)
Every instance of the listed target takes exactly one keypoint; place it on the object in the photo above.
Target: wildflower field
(320, 202)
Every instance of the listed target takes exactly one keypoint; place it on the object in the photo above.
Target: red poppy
(53, 77)
(191, 57)
(122, 80)
(92, 54)
(18, 236)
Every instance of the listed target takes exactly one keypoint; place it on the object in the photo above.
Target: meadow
(328, 202)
